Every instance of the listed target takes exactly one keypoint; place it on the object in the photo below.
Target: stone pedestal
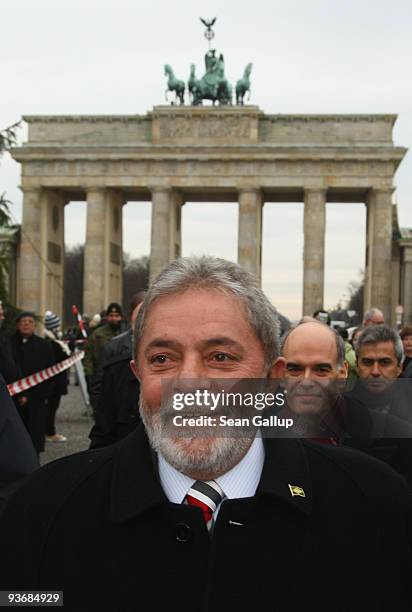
(378, 276)
(166, 229)
(250, 231)
(103, 253)
(314, 224)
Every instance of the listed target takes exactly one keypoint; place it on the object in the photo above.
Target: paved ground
(73, 422)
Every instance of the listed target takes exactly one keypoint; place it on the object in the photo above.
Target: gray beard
(212, 455)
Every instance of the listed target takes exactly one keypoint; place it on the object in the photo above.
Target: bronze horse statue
(211, 87)
(174, 84)
(243, 85)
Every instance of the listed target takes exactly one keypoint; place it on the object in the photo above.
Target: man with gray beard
(210, 522)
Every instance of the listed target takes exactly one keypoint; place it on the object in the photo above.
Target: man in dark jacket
(210, 522)
(32, 354)
(117, 410)
(114, 392)
(95, 343)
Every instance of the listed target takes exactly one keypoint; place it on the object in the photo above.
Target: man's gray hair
(212, 273)
(340, 345)
(369, 314)
(380, 333)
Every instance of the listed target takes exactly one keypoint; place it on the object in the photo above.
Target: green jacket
(350, 357)
(94, 345)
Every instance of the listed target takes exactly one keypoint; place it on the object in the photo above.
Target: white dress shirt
(241, 481)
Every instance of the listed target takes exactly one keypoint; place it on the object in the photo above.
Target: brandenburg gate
(175, 154)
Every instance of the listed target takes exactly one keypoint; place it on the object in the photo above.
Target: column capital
(387, 190)
(254, 190)
(315, 190)
(374, 192)
(160, 189)
(99, 190)
(26, 189)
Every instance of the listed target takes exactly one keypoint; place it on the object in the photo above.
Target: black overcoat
(17, 455)
(8, 366)
(116, 391)
(32, 356)
(97, 525)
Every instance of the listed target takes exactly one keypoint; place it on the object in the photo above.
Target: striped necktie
(206, 496)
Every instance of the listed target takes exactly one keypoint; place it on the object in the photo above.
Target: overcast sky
(309, 56)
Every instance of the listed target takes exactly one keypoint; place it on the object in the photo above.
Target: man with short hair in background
(314, 373)
(379, 357)
(114, 393)
(373, 316)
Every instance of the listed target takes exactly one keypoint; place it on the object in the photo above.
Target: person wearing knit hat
(52, 324)
(114, 308)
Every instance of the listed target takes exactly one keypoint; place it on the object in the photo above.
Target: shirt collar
(136, 486)
(241, 481)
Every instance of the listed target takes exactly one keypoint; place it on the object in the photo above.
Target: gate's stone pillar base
(314, 223)
(103, 250)
(166, 229)
(250, 231)
(378, 275)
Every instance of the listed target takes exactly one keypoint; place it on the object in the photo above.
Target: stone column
(113, 288)
(103, 250)
(314, 224)
(28, 293)
(42, 252)
(250, 231)
(166, 229)
(52, 249)
(407, 285)
(396, 281)
(378, 278)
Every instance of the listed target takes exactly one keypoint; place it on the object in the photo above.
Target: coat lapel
(286, 473)
(135, 485)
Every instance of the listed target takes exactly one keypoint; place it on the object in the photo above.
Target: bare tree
(356, 290)
(8, 138)
(135, 277)
(73, 281)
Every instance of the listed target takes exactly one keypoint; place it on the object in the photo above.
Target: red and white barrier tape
(38, 377)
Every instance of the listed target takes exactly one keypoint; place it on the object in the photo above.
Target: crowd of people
(315, 518)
